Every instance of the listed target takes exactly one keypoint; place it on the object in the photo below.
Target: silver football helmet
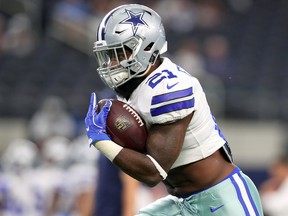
(129, 40)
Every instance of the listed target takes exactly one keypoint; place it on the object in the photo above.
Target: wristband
(109, 148)
(161, 171)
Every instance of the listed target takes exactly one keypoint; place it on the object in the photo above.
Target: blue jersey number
(158, 77)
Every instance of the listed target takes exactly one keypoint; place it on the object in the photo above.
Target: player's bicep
(165, 142)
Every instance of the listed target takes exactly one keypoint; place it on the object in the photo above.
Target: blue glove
(96, 123)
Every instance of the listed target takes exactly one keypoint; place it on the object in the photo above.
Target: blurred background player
(81, 179)
(50, 120)
(19, 193)
(51, 172)
(274, 191)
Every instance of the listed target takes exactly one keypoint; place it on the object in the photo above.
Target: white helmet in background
(80, 153)
(131, 28)
(20, 155)
(55, 150)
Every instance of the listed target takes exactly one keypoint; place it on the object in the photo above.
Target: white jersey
(170, 93)
(19, 195)
(80, 179)
(50, 181)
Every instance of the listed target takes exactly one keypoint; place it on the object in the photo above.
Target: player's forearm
(138, 166)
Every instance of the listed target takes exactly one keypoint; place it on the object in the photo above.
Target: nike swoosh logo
(119, 32)
(215, 209)
(171, 86)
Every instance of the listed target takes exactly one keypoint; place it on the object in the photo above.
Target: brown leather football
(125, 126)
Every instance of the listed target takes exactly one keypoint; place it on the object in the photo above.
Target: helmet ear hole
(148, 48)
(154, 57)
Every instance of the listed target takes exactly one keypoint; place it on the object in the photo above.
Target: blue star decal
(135, 20)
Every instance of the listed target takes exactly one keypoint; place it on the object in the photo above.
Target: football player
(19, 194)
(185, 148)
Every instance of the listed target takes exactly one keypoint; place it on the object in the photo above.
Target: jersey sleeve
(170, 99)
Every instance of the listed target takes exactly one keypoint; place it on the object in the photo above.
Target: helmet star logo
(135, 20)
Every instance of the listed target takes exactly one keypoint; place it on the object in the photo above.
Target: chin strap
(145, 72)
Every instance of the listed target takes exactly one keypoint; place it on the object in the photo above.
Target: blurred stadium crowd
(46, 49)
(237, 49)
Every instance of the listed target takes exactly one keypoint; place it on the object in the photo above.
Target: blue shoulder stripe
(171, 96)
(172, 107)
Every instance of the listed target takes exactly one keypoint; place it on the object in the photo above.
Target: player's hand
(96, 123)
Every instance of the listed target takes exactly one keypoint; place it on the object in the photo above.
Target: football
(125, 126)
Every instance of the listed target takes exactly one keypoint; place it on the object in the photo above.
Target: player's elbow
(153, 180)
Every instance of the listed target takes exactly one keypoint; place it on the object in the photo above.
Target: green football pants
(236, 195)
